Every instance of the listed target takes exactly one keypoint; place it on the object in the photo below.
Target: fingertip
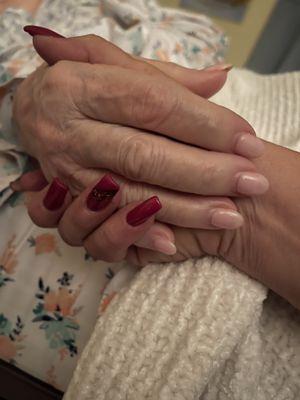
(143, 211)
(55, 196)
(159, 237)
(220, 67)
(249, 146)
(226, 219)
(164, 246)
(30, 181)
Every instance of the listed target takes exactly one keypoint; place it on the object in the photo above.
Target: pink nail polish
(252, 183)
(102, 193)
(143, 211)
(226, 219)
(220, 67)
(56, 194)
(164, 246)
(34, 30)
(249, 146)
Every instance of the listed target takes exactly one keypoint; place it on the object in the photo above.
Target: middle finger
(157, 103)
(156, 160)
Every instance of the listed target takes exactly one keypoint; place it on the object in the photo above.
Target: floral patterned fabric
(49, 292)
(49, 297)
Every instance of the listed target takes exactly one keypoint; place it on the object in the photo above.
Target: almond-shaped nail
(164, 245)
(34, 30)
(249, 146)
(143, 211)
(251, 183)
(102, 193)
(220, 67)
(56, 194)
(226, 219)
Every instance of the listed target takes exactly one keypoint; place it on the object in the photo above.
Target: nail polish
(164, 246)
(102, 193)
(220, 67)
(34, 30)
(251, 183)
(56, 194)
(226, 219)
(143, 211)
(249, 146)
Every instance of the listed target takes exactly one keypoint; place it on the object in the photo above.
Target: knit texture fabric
(201, 329)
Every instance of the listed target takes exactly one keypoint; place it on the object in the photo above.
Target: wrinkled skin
(69, 116)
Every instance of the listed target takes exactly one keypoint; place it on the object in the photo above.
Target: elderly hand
(69, 116)
(266, 247)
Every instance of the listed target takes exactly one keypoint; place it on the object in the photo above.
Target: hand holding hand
(59, 128)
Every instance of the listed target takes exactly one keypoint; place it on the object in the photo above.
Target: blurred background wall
(264, 34)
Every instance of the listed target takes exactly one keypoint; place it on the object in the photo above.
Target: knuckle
(139, 159)
(152, 103)
(209, 174)
(56, 74)
(133, 191)
(63, 82)
(134, 151)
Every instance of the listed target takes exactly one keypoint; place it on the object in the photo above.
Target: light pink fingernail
(226, 219)
(249, 146)
(220, 67)
(164, 246)
(252, 183)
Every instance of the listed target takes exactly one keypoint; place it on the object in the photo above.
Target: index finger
(96, 50)
(118, 95)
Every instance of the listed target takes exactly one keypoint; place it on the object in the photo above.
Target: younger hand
(93, 219)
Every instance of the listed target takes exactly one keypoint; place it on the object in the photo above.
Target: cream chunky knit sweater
(201, 329)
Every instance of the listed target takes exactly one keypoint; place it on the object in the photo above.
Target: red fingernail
(143, 211)
(56, 194)
(102, 194)
(39, 30)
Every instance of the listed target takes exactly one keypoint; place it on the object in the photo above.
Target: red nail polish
(39, 30)
(143, 211)
(102, 194)
(56, 194)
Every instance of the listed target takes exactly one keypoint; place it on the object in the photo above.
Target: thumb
(93, 49)
(32, 181)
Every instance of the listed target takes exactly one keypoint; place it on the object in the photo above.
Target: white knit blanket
(201, 329)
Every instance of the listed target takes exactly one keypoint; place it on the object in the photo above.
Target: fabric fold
(169, 334)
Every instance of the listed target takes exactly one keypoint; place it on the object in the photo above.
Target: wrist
(267, 247)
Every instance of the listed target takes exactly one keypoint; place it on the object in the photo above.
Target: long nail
(102, 193)
(56, 194)
(249, 146)
(251, 183)
(34, 30)
(220, 67)
(143, 211)
(226, 219)
(164, 245)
